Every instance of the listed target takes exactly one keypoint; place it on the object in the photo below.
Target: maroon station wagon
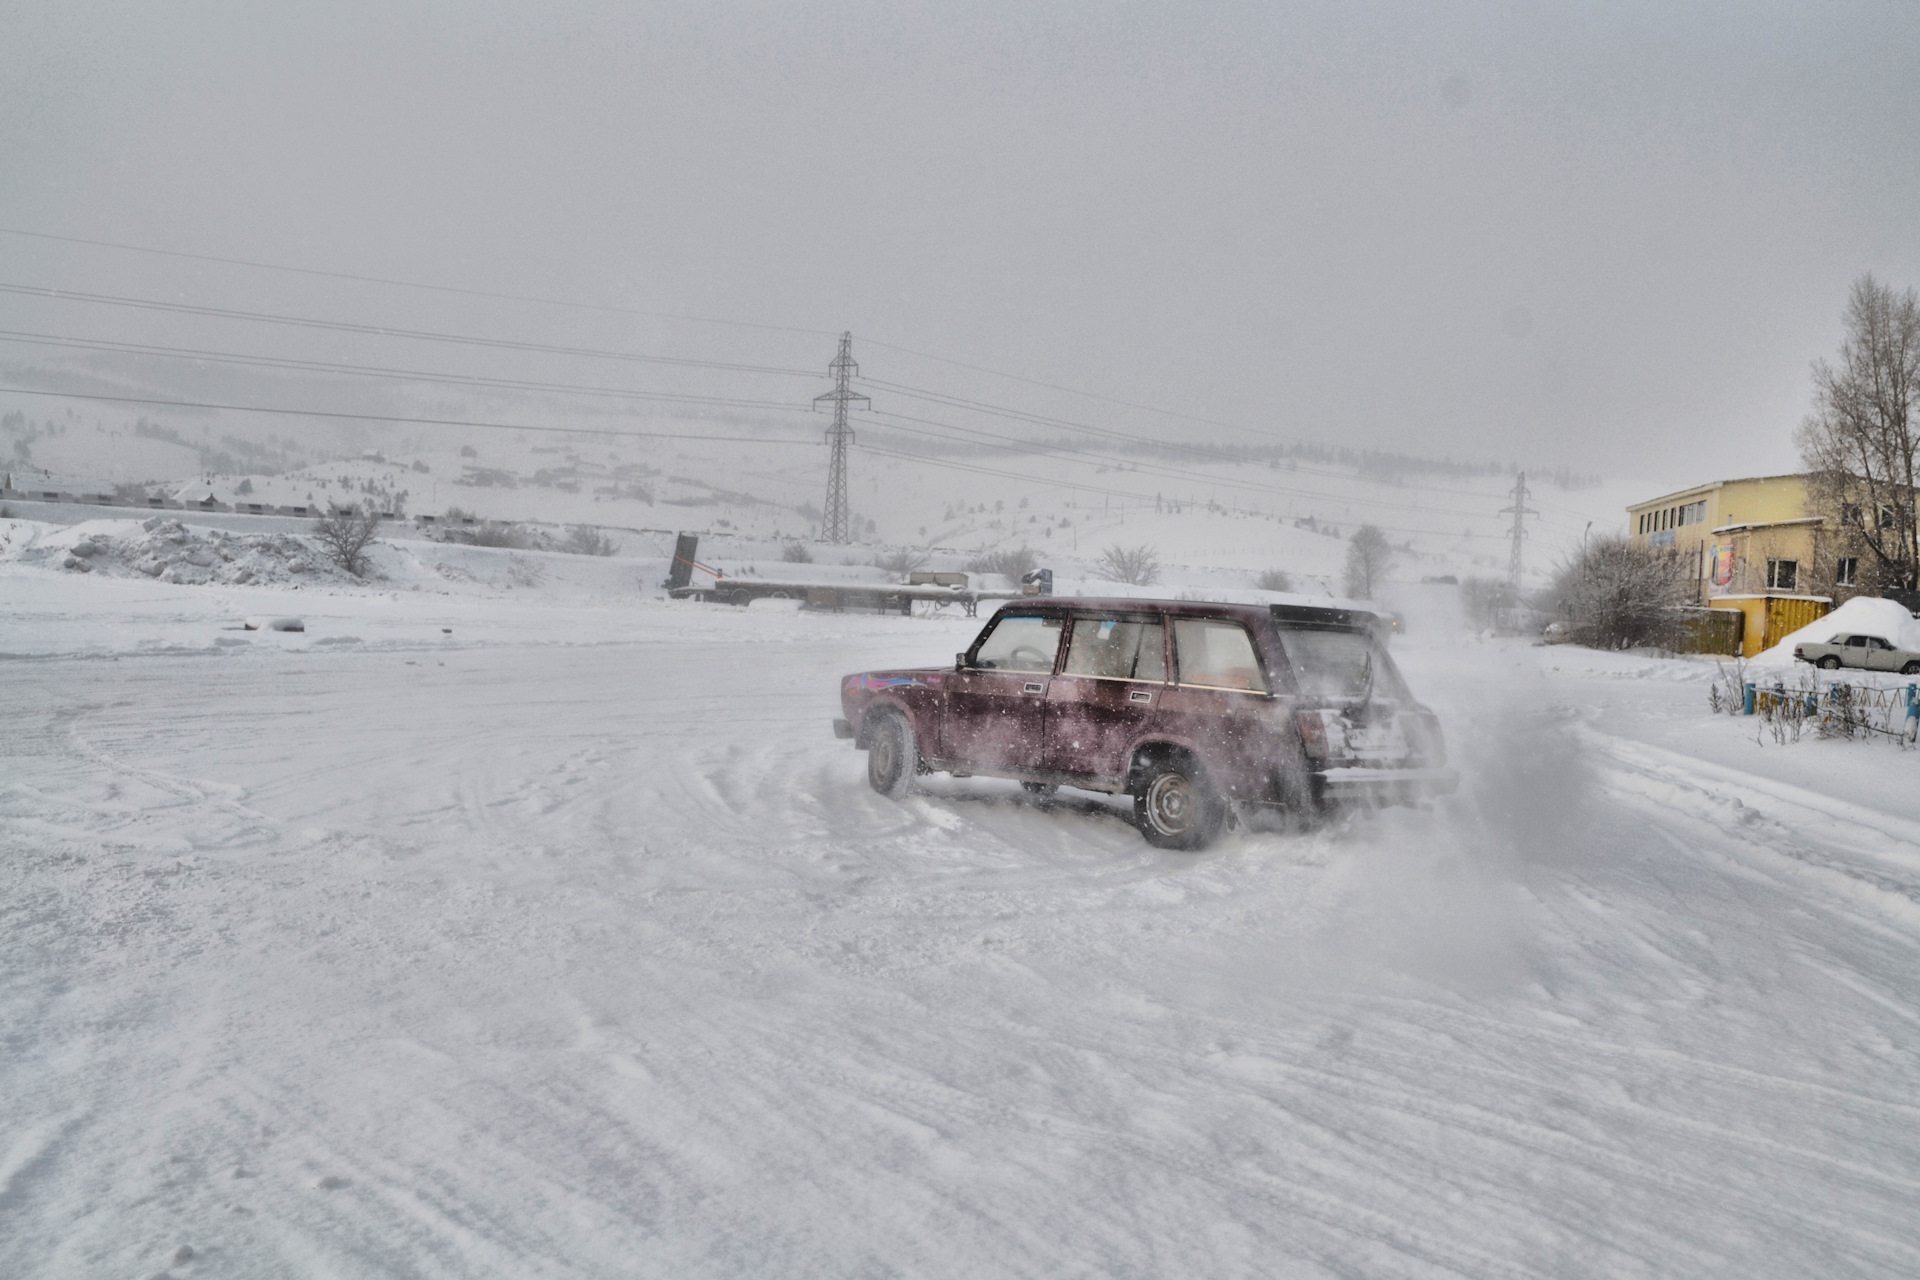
(1195, 710)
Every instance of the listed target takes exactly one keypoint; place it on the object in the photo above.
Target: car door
(1881, 656)
(1855, 653)
(996, 702)
(1218, 699)
(1113, 674)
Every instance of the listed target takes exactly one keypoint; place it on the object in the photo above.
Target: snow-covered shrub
(1274, 580)
(586, 540)
(1011, 562)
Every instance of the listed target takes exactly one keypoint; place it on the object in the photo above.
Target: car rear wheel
(1174, 806)
(1831, 662)
(892, 757)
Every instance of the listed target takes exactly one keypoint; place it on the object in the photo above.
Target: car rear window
(1330, 663)
(1117, 649)
(1218, 655)
(1020, 644)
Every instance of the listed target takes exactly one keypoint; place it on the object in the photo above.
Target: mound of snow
(172, 552)
(1860, 616)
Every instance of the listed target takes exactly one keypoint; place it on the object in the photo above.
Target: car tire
(1911, 669)
(1174, 805)
(892, 756)
(1830, 663)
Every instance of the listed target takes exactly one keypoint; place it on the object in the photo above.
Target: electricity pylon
(833, 525)
(1519, 511)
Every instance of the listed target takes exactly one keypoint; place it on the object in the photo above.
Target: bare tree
(1369, 556)
(343, 533)
(796, 553)
(1861, 443)
(1614, 595)
(586, 540)
(1137, 566)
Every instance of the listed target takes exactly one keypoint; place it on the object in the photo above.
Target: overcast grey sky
(1609, 235)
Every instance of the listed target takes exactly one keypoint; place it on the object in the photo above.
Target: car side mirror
(959, 662)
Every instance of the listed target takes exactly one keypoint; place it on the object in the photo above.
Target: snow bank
(169, 551)
(1862, 615)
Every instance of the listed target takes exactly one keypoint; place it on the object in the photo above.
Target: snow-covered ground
(520, 923)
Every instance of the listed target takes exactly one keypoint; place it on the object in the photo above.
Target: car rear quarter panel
(916, 692)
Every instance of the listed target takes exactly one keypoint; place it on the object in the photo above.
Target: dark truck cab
(1193, 709)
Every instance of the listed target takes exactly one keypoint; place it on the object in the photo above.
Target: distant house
(1749, 545)
(1738, 537)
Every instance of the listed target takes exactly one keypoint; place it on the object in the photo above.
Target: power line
(377, 371)
(386, 331)
(1205, 451)
(1110, 492)
(1172, 473)
(389, 417)
(409, 284)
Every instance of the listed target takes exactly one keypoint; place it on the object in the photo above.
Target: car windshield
(1339, 664)
(1019, 644)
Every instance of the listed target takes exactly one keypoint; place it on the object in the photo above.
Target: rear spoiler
(1307, 615)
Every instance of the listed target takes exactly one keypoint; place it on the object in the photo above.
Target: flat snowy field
(529, 935)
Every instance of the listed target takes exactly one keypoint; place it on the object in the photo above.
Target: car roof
(1298, 614)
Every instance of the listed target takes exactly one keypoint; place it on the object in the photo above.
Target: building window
(1847, 572)
(1783, 575)
(1850, 513)
(1888, 519)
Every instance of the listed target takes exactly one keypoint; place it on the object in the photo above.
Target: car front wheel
(892, 757)
(1911, 669)
(1830, 663)
(1175, 808)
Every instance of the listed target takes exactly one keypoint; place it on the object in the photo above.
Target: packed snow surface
(1862, 615)
(536, 928)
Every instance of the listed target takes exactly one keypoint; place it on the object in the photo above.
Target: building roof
(1709, 487)
(1766, 524)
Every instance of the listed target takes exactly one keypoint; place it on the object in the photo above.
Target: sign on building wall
(1722, 564)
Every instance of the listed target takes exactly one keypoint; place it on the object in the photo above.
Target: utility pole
(833, 525)
(1519, 511)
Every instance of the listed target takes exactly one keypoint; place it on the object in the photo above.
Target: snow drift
(1862, 615)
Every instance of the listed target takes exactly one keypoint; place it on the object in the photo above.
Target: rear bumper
(1383, 786)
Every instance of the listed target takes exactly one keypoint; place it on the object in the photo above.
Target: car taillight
(1313, 733)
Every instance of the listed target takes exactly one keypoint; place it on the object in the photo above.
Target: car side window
(1877, 643)
(1019, 644)
(1117, 649)
(1856, 642)
(1218, 655)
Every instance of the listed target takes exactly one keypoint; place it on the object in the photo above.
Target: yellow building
(1738, 537)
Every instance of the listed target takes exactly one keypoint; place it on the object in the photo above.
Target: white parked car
(1868, 653)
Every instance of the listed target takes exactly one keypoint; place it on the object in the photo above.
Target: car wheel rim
(884, 751)
(1170, 804)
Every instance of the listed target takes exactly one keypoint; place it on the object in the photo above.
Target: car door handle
(1033, 686)
(1140, 695)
